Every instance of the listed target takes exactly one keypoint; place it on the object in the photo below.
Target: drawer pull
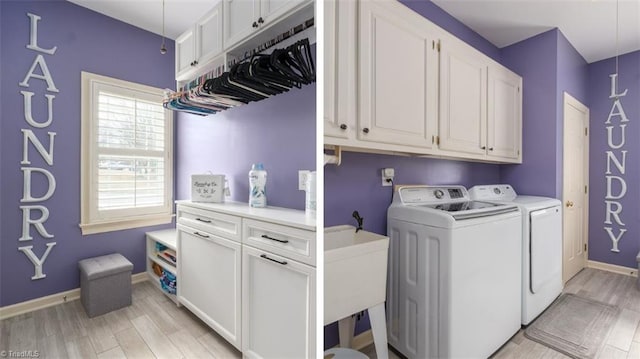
(284, 263)
(203, 220)
(275, 239)
(200, 234)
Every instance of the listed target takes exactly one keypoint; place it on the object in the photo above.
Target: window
(127, 155)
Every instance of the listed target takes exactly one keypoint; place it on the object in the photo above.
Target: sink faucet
(359, 219)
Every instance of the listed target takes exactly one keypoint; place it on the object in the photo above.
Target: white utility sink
(355, 271)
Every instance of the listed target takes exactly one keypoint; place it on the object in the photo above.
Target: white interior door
(574, 186)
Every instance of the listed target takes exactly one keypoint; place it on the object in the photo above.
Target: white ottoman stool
(105, 283)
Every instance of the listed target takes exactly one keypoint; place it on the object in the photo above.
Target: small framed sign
(207, 188)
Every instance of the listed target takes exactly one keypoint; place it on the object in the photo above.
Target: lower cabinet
(250, 277)
(210, 280)
(278, 306)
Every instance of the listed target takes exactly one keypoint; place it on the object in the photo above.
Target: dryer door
(545, 247)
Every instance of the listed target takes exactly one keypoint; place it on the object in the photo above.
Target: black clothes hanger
(253, 78)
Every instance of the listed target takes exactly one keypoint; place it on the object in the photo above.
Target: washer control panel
(499, 192)
(432, 194)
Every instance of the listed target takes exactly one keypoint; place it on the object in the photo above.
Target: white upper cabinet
(412, 87)
(185, 52)
(209, 35)
(200, 43)
(243, 17)
(504, 137)
(463, 98)
(240, 19)
(273, 9)
(398, 76)
(339, 69)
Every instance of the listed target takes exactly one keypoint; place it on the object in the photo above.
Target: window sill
(118, 225)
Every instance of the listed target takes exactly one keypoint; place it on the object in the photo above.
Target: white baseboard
(633, 272)
(53, 299)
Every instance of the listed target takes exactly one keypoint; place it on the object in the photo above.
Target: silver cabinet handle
(274, 239)
(200, 234)
(284, 263)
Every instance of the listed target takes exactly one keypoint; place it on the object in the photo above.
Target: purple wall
(441, 18)
(355, 184)
(549, 66)
(535, 60)
(86, 41)
(572, 77)
(279, 132)
(600, 105)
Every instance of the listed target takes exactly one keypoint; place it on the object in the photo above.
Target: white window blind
(128, 153)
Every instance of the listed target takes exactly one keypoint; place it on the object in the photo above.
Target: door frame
(569, 100)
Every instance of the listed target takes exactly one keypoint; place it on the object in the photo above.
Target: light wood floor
(152, 327)
(623, 341)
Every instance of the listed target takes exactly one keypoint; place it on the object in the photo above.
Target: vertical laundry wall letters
(29, 206)
(619, 160)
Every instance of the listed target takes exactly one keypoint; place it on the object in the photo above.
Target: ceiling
(147, 14)
(590, 25)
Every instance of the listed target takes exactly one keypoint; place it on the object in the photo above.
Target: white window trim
(90, 222)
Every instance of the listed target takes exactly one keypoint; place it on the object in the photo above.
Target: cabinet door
(504, 122)
(239, 16)
(278, 306)
(209, 35)
(340, 61)
(463, 98)
(398, 76)
(272, 9)
(210, 270)
(185, 52)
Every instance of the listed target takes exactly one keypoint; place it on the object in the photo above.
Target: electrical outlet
(387, 176)
(302, 179)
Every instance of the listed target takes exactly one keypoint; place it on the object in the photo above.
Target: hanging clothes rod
(218, 71)
(268, 44)
(258, 77)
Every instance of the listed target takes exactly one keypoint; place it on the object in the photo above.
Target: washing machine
(541, 245)
(453, 274)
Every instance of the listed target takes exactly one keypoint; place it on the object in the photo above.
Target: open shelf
(168, 238)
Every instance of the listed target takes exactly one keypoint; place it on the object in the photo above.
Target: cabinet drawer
(289, 242)
(212, 222)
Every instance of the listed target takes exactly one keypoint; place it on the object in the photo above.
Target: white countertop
(285, 216)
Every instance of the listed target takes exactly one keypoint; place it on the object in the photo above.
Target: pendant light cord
(163, 48)
(617, 48)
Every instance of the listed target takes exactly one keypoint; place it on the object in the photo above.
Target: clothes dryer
(541, 245)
